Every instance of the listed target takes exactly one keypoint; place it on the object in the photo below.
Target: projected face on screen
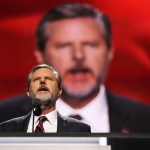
(78, 50)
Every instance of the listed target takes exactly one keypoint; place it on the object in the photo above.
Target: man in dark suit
(65, 124)
(44, 88)
(76, 40)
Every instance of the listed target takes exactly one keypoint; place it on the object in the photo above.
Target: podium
(53, 143)
(74, 141)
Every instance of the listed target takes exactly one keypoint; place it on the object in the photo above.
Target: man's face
(76, 48)
(44, 86)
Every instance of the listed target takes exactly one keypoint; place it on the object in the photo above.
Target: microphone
(36, 104)
(36, 108)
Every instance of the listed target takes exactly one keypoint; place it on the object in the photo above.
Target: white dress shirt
(50, 125)
(95, 113)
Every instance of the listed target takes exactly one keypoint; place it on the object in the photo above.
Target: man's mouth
(79, 74)
(80, 70)
(43, 89)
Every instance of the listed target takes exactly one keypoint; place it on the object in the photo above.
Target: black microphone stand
(33, 119)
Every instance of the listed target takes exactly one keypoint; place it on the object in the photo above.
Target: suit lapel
(118, 114)
(62, 125)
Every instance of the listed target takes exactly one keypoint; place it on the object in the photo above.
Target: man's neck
(47, 110)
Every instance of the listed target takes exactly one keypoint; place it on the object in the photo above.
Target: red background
(129, 73)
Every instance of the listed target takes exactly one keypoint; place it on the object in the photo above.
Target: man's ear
(59, 92)
(39, 56)
(111, 54)
(28, 93)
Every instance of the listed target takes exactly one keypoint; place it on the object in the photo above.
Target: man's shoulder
(14, 107)
(122, 103)
(14, 124)
(16, 120)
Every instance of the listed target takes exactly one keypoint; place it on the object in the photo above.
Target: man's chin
(80, 93)
(43, 98)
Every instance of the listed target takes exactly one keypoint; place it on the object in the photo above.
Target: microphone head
(36, 103)
(37, 111)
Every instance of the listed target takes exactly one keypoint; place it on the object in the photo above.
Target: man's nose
(78, 53)
(42, 81)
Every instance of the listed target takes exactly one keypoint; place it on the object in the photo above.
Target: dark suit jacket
(65, 124)
(124, 115)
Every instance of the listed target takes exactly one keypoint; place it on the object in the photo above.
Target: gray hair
(72, 10)
(56, 74)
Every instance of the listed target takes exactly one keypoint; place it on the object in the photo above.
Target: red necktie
(39, 127)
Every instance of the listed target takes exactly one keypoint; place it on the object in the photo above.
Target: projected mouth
(79, 75)
(80, 70)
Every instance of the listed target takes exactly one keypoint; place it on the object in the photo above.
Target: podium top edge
(108, 135)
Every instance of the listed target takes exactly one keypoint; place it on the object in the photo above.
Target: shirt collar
(67, 110)
(51, 117)
(95, 113)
